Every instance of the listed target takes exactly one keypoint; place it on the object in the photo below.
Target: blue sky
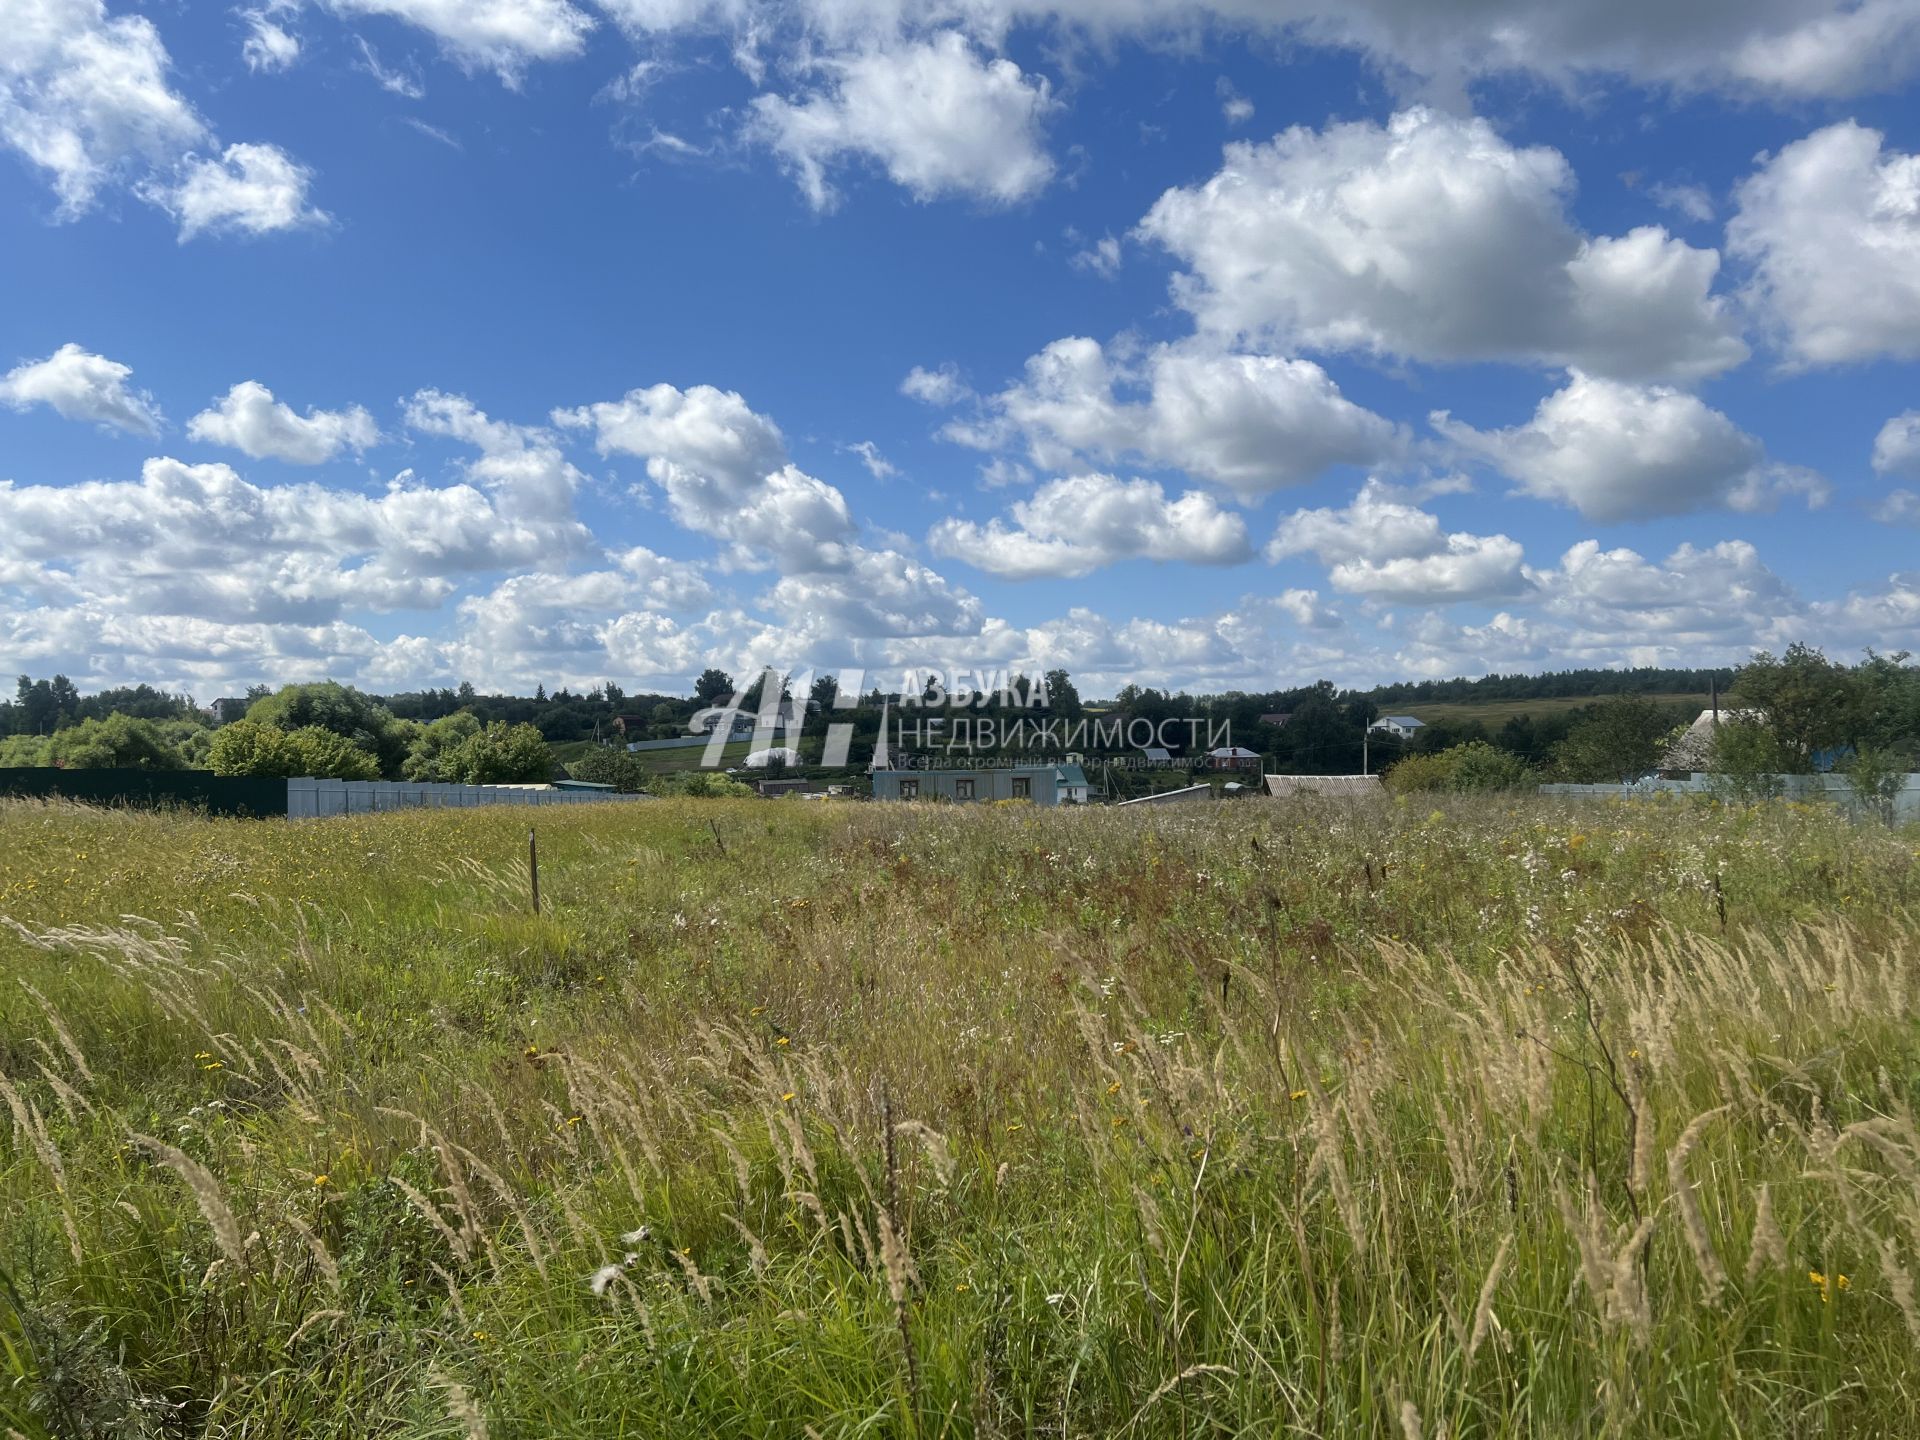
(1222, 344)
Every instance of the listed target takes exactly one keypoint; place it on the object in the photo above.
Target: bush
(501, 754)
(1419, 773)
(341, 709)
(118, 742)
(701, 784)
(611, 767)
(247, 747)
(1474, 766)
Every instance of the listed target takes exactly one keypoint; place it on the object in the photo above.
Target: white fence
(307, 799)
(1835, 789)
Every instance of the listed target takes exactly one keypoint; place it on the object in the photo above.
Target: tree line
(1796, 712)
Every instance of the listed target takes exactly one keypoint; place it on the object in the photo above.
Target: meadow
(1496, 1118)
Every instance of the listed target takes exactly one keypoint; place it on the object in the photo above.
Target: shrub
(1474, 766)
(701, 784)
(247, 747)
(118, 742)
(611, 767)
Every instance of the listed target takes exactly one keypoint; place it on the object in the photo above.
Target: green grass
(1495, 713)
(1250, 1119)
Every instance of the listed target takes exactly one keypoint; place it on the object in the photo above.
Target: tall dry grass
(1251, 1120)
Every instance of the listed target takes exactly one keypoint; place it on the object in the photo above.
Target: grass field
(1495, 713)
(853, 1120)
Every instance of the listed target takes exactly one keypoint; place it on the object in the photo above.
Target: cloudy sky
(1224, 343)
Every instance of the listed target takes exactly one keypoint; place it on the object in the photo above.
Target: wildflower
(783, 1040)
(1013, 1125)
(214, 1065)
(572, 1121)
(788, 1097)
(603, 1277)
(962, 1288)
(1118, 1121)
(1114, 1088)
(757, 1011)
(483, 1336)
(320, 1182)
(1298, 1095)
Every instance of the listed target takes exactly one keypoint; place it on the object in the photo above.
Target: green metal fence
(152, 789)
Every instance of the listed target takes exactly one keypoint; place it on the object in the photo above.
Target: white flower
(603, 1277)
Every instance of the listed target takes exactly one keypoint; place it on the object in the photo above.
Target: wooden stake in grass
(533, 867)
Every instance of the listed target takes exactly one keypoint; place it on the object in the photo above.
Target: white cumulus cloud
(1432, 238)
(250, 420)
(1384, 548)
(1831, 227)
(1078, 524)
(249, 189)
(80, 385)
(1252, 423)
(1615, 451)
(939, 117)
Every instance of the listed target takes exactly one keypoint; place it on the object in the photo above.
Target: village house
(1401, 727)
(1234, 757)
(1038, 783)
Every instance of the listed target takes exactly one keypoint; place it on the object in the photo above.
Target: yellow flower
(1298, 1095)
(1013, 1125)
(788, 1096)
(216, 1065)
(1114, 1089)
(573, 1120)
(962, 1288)
(758, 1010)
(1118, 1121)
(483, 1335)
(321, 1181)
(783, 1040)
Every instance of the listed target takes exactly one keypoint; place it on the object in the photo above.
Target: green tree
(1480, 766)
(28, 750)
(321, 754)
(1619, 739)
(119, 742)
(500, 754)
(341, 709)
(1748, 759)
(712, 688)
(1809, 702)
(611, 767)
(1062, 698)
(248, 747)
(428, 751)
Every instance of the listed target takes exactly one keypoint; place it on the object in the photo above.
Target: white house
(1401, 727)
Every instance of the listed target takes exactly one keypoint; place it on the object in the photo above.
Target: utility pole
(1365, 759)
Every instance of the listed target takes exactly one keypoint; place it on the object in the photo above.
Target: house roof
(1070, 775)
(1694, 749)
(1156, 752)
(1276, 717)
(1333, 787)
(1233, 752)
(1165, 797)
(1405, 722)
